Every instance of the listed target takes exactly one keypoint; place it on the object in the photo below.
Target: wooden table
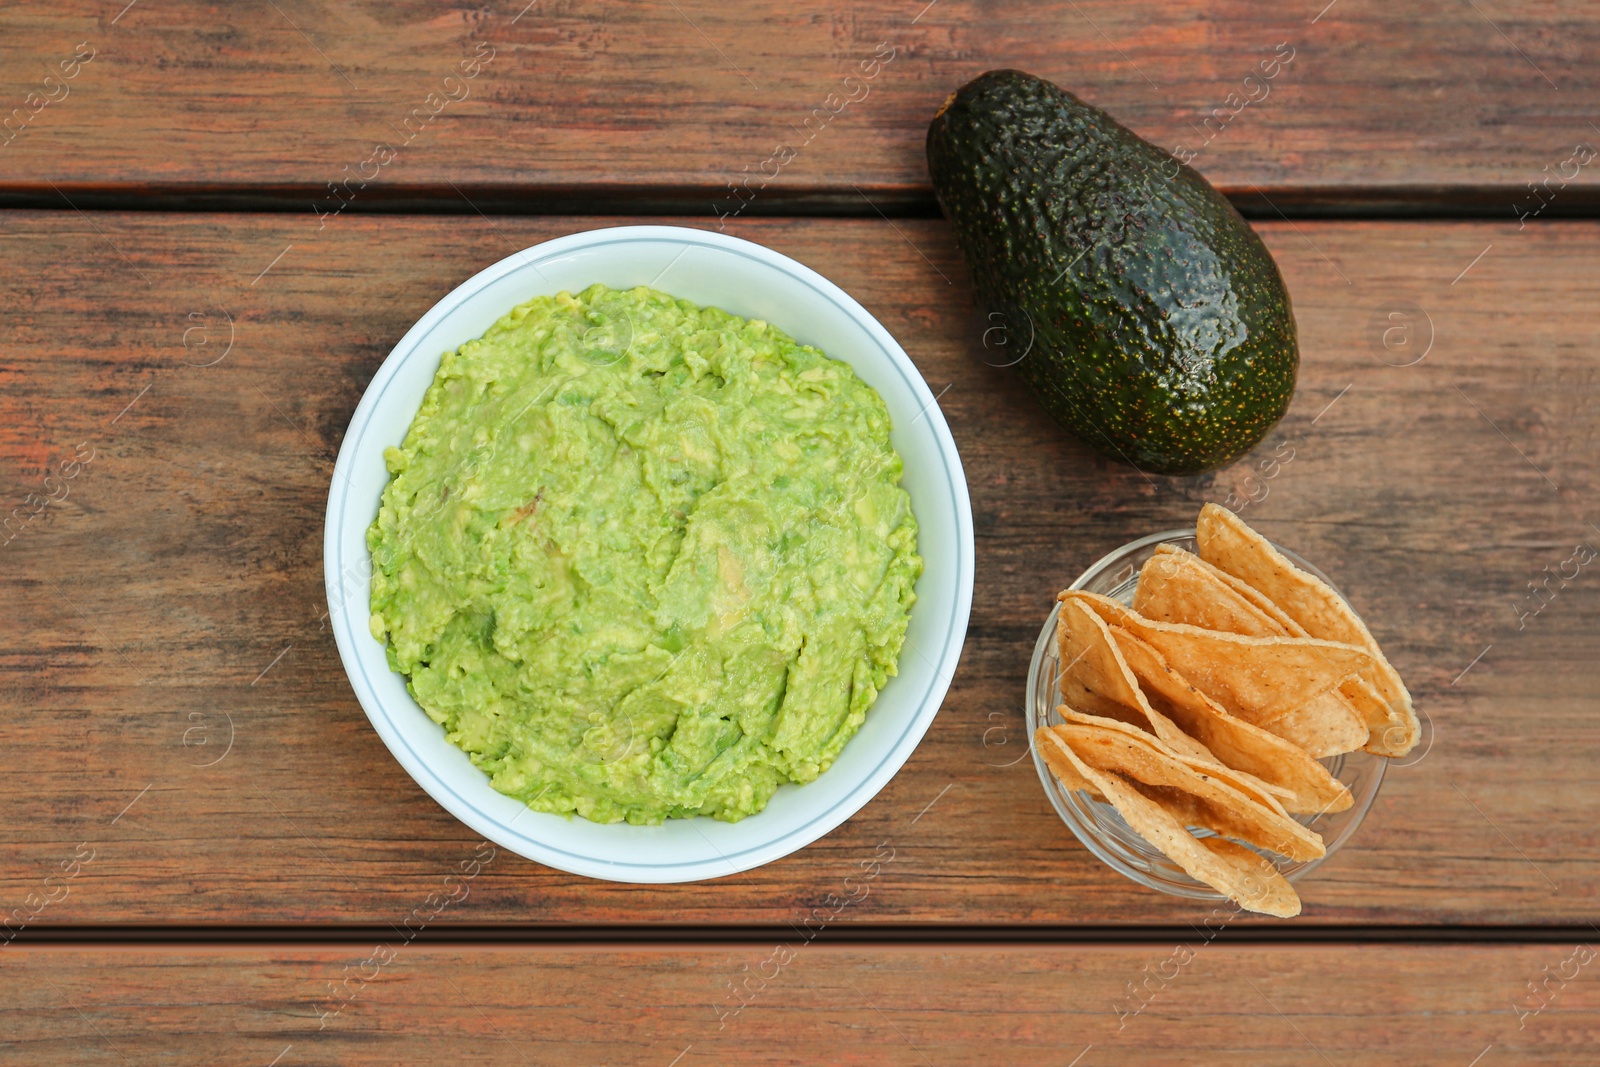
(208, 856)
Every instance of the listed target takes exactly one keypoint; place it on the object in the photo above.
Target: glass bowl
(1096, 823)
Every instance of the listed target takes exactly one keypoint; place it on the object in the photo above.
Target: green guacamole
(642, 559)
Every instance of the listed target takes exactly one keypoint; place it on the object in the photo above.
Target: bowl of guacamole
(649, 554)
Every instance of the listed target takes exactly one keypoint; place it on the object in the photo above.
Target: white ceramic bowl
(745, 279)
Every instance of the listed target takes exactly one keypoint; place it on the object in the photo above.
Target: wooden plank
(173, 600)
(1196, 1002)
(578, 104)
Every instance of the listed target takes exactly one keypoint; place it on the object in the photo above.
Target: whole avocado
(1150, 319)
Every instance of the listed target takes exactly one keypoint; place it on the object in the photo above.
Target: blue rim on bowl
(1096, 823)
(745, 279)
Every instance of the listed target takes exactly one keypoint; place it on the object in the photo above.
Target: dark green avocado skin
(1160, 328)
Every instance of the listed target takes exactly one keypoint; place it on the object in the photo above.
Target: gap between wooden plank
(1379, 202)
(877, 934)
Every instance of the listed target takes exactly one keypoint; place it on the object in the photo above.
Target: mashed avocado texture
(642, 559)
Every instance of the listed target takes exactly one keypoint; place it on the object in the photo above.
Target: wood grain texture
(170, 697)
(589, 103)
(1202, 1003)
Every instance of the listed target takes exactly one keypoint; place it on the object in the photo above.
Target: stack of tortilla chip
(1209, 703)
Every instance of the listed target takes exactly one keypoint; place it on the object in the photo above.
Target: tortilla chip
(1195, 795)
(1232, 870)
(1260, 888)
(1234, 547)
(1273, 796)
(1178, 586)
(1196, 811)
(1233, 741)
(1095, 679)
(1262, 792)
(1052, 749)
(1259, 679)
(1260, 600)
(1326, 726)
(1375, 711)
